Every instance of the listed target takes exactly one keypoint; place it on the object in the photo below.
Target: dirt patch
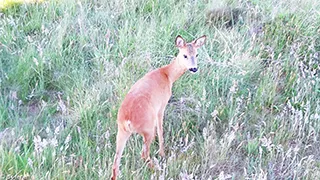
(224, 17)
(9, 138)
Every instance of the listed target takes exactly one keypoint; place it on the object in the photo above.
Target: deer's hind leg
(147, 140)
(122, 137)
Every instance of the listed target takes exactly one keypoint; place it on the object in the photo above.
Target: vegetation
(251, 112)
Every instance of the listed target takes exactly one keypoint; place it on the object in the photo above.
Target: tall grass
(252, 111)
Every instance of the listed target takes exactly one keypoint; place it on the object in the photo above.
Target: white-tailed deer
(143, 107)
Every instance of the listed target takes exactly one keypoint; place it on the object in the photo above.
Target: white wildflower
(79, 129)
(54, 142)
(222, 176)
(231, 137)
(30, 162)
(39, 145)
(35, 61)
(68, 139)
(214, 114)
(47, 130)
(266, 142)
(57, 130)
(185, 176)
(62, 107)
(234, 87)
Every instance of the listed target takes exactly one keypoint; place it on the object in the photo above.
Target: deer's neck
(174, 70)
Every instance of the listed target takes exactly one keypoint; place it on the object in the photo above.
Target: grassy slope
(251, 112)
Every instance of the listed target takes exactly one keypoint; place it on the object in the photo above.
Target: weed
(251, 112)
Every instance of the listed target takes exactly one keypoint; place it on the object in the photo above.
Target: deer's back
(145, 99)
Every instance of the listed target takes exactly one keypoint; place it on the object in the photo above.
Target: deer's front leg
(160, 132)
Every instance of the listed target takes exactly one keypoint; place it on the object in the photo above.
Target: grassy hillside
(252, 111)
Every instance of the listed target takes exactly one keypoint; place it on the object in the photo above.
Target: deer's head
(188, 53)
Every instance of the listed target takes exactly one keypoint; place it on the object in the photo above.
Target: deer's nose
(193, 69)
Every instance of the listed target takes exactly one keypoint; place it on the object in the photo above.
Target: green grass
(251, 112)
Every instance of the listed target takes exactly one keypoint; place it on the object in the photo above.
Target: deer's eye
(197, 55)
(185, 56)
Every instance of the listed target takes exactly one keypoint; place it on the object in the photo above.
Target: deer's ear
(180, 42)
(200, 41)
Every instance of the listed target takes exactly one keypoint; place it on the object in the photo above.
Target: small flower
(68, 139)
(57, 130)
(185, 176)
(214, 113)
(234, 87)
(30, 162)
(36, 61)
(222, 176)
(54, 142)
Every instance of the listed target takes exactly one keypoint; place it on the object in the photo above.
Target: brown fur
(143, 108)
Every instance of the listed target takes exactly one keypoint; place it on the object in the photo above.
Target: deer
(142, 109)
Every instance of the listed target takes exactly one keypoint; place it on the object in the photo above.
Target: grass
(252, 111)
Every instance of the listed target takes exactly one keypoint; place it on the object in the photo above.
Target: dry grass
(252, 111)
